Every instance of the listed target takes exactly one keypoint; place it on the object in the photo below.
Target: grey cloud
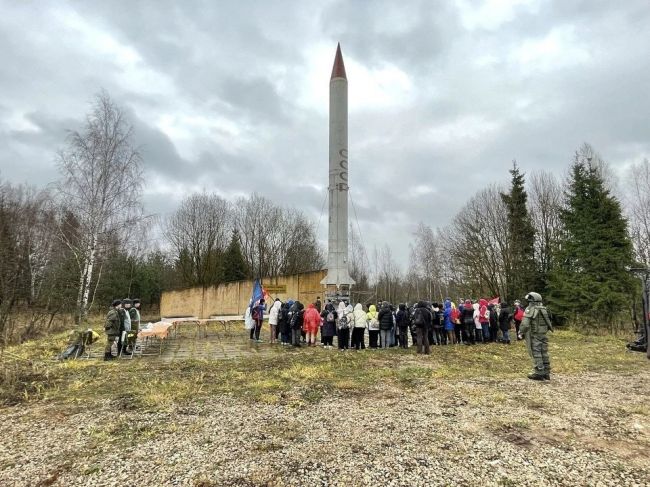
(243, 63)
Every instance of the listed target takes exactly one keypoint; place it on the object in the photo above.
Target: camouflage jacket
(536, 320)
(113, 322)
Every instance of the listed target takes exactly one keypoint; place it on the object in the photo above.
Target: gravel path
(592, 429)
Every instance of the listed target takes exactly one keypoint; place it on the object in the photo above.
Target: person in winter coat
(422, 320)
(328, 330)
(439, 336)
(273, 319)
(448, 321)
(468, 323)
(494, 322)
(257, 313)
(484, 319)
(311, 323)
(403, 321)
(385, 318)
(359, 328)
(340, 311)
(296, 321)
(517, 316)
(283, 323)
(373, 326)
(504, 322)
(478, 327)
(343, 325)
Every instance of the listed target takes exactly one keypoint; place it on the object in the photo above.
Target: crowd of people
(427, 323)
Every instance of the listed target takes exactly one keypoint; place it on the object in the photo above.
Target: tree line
(573, 240)
(68, 249)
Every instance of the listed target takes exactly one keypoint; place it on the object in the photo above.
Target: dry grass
(290, 376)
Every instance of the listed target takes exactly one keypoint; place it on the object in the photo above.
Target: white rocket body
(337, 257)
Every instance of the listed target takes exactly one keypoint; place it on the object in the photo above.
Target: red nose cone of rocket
(338, 71)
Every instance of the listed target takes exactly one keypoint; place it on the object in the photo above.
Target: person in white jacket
(359, 330)
(273, 319)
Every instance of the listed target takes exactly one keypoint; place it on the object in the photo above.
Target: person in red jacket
(484, 319)
(311, 323)
(517, 316)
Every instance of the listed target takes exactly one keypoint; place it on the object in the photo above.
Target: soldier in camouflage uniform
(112, 328)
(134, 314)
(534, 326)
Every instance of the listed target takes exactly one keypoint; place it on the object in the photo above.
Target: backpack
(343, 323)
(418, 318)
(330, 316)
(519, 314)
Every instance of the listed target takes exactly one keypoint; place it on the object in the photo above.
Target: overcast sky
(232, 96)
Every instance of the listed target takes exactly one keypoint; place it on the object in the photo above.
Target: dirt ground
(585, 427)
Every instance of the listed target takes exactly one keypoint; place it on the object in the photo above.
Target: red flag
(496, 300)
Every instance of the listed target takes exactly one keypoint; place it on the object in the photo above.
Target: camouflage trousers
(110, 340)
(537, 345)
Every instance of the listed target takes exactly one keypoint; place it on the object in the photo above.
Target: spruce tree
(590, 282)
(234, 264)
(520, 269)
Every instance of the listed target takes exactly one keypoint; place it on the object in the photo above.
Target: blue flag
(258, 293)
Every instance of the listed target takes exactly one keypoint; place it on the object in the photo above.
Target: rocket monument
(338, 280)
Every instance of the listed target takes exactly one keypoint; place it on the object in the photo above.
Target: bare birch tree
(100, 183)
(638, 203)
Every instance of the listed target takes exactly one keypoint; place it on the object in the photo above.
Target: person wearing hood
(484, 319)
(311, 323)
(422, 320)
(478, 328)
(385, 318)
(448, 321)
(373, 326)
(468, 323)
(273, 318)
(296, 320)
(328, 330)
(439, 337)
(504, 322)
(517, 317)
(284, 325)
(403, 322)
(494, 322)
(340, 311)
(359, 328)
(343, 325)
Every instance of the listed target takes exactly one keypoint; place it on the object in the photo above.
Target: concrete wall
(232, 298)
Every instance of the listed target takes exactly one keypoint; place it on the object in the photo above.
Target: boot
(535, 376)
(108, 356)
(547, 376)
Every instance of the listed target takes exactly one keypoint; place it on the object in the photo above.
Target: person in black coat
(505, 316)
(422, 319)
(467, 318)
(403, 322)
(494, 322)
(385, 318)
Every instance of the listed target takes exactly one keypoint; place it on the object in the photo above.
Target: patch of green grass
(293, 376)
